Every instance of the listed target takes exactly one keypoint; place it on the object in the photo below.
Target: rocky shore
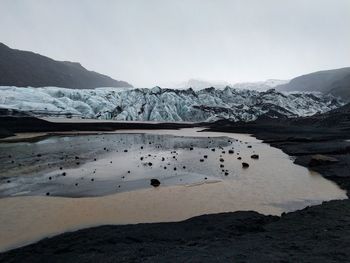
(315, 234)
(320, 142)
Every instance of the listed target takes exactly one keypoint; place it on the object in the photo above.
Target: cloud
(147, 42)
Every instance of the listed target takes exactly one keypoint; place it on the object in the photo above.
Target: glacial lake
(65, 182)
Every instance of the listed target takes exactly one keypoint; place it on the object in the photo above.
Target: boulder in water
(155, 182)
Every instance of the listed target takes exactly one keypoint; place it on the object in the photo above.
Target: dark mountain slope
(24, 68)
(341, 88)
(336, 82)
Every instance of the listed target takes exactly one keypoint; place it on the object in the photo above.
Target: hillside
(23, 68)
(335, 82)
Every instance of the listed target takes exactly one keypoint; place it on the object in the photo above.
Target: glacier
(162, 104)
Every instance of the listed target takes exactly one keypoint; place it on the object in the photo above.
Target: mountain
(23, 68)
(260, 85)
(339, 117)
(335, 82)
(197, 84)
(159, 104)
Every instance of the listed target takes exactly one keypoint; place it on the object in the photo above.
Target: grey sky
(147, 42)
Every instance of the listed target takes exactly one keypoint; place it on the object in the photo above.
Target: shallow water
(120, 191)
(92, 165)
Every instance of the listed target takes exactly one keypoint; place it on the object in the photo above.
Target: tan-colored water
(271, 185)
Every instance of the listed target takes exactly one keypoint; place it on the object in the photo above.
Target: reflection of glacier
(158, 104)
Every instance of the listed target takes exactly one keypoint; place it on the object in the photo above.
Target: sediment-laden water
(66, 182)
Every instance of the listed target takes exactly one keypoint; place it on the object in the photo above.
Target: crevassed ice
(159, 104)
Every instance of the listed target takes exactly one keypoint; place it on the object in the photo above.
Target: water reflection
(198, 171)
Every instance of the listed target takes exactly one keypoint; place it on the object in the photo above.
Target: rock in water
(245, 165)
(255, 156)
(155, 182)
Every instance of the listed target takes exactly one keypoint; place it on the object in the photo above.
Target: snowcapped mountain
(197, 84)
(159, 104)
(260, 85)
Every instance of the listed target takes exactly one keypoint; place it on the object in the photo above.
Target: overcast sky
(149, 42)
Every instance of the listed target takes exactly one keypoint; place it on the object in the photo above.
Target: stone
(255, 156)
(245, 165)
(155, 182)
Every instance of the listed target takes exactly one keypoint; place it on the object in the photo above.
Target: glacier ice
(158, 104)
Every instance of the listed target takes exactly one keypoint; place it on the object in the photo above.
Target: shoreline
(244, 236)
(229, 236)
